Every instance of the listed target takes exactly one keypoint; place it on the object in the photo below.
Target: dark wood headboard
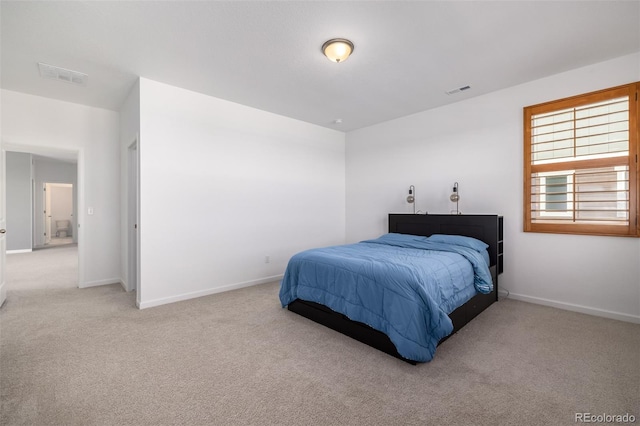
(487, 228)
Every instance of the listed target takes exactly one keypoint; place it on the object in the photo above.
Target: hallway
(50, 268)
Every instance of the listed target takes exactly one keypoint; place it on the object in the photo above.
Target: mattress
(402, 285)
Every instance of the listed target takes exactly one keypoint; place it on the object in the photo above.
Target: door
(47, 214)
(3, 224)
(133, 215)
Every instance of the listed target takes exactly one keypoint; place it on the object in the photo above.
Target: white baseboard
(125, 285)
(207, 292)
(19, 251)
(577, 308)
(100, 282)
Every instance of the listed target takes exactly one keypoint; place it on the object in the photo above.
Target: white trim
(100, 282)
(577, 308)
(79, 231)
(3, 223)
(207, 292)
(133, 217)
(19, 251)
(138, 253)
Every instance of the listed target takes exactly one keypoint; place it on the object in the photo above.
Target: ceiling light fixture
(337, 49)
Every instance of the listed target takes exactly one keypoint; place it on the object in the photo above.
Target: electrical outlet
(267, 259)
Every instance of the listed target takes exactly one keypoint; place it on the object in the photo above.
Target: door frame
(133, 218)
(47, 212)
(58, 153)
(3, 216)
(49, 202)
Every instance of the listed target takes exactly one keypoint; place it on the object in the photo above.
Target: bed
(406, 291)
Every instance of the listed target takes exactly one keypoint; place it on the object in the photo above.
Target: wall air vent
(57, 73)
(457, 89)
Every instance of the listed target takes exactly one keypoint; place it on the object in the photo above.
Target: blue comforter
(402, 285)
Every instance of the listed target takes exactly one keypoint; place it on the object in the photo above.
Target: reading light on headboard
(455, 198)
(411, 198)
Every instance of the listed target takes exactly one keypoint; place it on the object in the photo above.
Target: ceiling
(266, 54)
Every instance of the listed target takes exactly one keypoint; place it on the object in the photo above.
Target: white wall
(36, 124)
(19, 208)
(52, 171)
(479, 143)
(224, 185)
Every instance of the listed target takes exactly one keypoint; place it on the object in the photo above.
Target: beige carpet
(89, 357)
(55, 267)
(56, 241)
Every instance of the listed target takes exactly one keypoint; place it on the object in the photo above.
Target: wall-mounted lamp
(411, 198)
(455, 198)
(337, 49)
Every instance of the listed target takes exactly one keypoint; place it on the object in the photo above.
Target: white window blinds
(581, 164)
(591, 131)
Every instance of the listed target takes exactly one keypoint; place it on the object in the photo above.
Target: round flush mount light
(337, 49)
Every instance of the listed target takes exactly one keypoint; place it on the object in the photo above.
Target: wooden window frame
(632, 229)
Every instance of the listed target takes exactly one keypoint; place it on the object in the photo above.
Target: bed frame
(487, 228)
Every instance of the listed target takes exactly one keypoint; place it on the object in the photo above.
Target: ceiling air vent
(457, 89)
(57, 73)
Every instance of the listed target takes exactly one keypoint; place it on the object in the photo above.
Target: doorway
(47, 219)
(58, 213)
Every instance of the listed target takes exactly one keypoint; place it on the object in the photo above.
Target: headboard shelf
(485, 227)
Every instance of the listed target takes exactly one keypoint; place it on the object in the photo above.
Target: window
(581, 164)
